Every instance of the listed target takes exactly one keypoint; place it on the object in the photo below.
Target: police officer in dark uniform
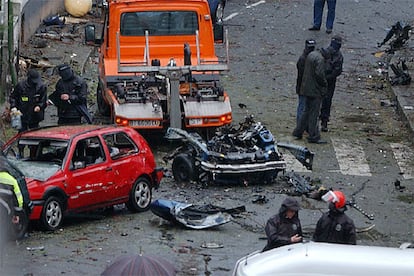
(335, 226)
(70, 97)
(284, 228)
(29, 97)
(333, 70)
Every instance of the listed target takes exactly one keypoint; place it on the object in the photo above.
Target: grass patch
(407, 198)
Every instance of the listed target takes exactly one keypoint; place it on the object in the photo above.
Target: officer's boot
(324, 126)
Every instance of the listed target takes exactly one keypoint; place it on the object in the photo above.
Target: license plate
(195, 121)
(136, 123)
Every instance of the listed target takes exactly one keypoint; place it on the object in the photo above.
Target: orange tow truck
(158, 66)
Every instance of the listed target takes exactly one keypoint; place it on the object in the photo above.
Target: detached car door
(89, 175)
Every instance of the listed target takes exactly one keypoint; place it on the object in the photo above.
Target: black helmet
(310, 44)
(33, 77)
(65, 72)
(336, 42)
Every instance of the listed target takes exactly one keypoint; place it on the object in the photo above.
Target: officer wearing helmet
(29, 97)
(335, 226)
(70, 97)
(284, 228)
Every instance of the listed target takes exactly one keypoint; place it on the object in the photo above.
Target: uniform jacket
(314, 81)
(280, 229)
(335, 227)
(77, 89)
(334, 64)
(300, 66)
(25, 97)
(19, 186)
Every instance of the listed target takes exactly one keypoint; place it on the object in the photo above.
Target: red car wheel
(52, 214)
(140, 196)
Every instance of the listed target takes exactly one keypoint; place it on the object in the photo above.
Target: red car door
(126, 162)
(89, 176)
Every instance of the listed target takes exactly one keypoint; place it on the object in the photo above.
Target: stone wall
(28, 15)
(33, 14)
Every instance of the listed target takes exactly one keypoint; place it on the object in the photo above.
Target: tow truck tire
(183, 168)
(140, 196)
(103, 107)
(52, 214)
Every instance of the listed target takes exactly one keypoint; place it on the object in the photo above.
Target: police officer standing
(300, 66)
(313, 87)
(335, 226)
(333, 70)
(284, 228)
(70, 97)
(29, 97)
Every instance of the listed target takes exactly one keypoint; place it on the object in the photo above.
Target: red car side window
(87, 152)
(120, 144)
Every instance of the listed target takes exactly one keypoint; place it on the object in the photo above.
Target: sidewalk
(404, 94)
(405, 103)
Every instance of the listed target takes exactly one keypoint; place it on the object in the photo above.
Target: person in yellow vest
(10, 195)
(14, 196)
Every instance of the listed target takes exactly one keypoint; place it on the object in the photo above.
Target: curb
(404, 94)
(405, 105)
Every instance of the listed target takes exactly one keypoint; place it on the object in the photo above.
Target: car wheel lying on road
(140, 196)
(52, 214)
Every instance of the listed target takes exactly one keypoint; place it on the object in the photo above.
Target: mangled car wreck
(238, 155)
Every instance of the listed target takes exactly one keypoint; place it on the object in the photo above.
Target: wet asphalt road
(266, 38)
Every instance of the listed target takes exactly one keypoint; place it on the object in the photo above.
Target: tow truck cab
(158, 67)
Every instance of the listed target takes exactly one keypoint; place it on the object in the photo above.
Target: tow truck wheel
(140, 196)
(102, 105)
(183, 168)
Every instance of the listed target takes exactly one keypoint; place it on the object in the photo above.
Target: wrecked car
(238, 155)
(82, 168)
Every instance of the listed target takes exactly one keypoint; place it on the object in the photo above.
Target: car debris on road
(238, 155)
(193, 216)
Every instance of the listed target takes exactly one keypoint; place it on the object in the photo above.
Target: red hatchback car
(72, 169)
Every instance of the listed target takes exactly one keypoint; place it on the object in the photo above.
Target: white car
(313, 258)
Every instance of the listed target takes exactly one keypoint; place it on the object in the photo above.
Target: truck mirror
(187, 54)
(90, 36)
(218, 33)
